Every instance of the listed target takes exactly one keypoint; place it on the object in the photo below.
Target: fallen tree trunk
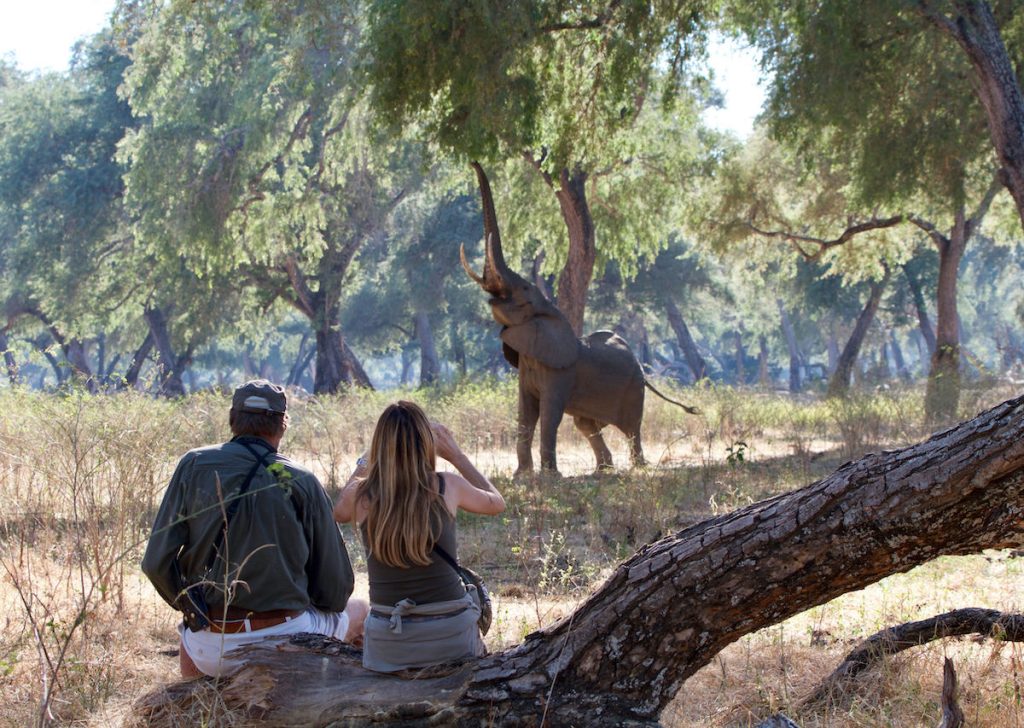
(670, 608)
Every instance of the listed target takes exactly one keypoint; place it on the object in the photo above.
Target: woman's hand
(444, 443)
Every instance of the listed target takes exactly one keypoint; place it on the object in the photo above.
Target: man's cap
(260, 397)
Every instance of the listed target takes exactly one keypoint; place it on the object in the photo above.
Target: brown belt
(245, 620)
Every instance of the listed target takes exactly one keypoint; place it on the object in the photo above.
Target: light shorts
(210, 651)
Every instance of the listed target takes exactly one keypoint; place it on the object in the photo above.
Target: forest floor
(80, 478)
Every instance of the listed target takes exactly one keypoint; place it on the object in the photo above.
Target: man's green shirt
(283, 549)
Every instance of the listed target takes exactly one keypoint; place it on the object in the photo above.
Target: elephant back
(609, 347)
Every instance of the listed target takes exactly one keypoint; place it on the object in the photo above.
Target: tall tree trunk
(169, 364)
(101, 357)
(336, 363)
(832, 347)
(884, 370)
(740, 358)
(9, 362)
(574, 279)
(131, 376)
(302, 359)
(666, 611)
(458, 348)
(762, 361)
(974, 28)
(331, 370)
(839, 383)
(921, 308)
(897, 354)
(795, 360)
(407, 361)
(942, 394)
(686, 343)
(430, 366)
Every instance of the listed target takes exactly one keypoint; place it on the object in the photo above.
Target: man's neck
(272, 441)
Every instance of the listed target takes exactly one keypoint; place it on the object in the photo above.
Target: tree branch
(891, 641)
(823, 245)
(929, 227)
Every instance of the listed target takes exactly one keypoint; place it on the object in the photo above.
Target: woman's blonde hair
(405, 511)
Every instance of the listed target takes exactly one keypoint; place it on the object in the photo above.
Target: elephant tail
(691, 410)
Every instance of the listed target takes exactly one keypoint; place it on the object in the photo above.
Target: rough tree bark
(694, 360)
(671, 607)
(839, 383)
(571, 192)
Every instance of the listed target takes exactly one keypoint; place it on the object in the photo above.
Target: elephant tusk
(465, 264)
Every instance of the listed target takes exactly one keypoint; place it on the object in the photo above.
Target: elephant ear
(511, 355)
(548, 339)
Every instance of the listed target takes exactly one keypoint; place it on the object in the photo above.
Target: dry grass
(84, 633)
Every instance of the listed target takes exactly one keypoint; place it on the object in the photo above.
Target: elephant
(596, 379)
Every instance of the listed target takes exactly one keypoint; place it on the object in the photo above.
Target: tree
(674, 281)
(568, 88)
(256, 157)
(817, 202)
(927, 79)
(62, 227)
(671, 607)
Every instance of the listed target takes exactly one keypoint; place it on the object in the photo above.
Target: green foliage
(879, 86)
(61, 223)
(487, 76)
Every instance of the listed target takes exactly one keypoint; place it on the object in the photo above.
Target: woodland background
(221, 190)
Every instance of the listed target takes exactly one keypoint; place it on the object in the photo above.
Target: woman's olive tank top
(437, 582)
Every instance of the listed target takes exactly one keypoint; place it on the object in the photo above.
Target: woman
(420, 611)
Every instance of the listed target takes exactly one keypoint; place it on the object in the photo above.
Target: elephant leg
(591, 429)
(529, 413)
(550, 418)
(636, 452)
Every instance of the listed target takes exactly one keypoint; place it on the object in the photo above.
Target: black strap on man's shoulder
(232, 509)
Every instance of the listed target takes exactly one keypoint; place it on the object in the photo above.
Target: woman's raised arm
(472, 491)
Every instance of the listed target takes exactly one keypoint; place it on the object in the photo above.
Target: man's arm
(329, 571)
(169, 534)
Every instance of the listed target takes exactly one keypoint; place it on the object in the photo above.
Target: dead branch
(890, 641)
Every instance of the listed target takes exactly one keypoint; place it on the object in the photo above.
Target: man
(245, 543)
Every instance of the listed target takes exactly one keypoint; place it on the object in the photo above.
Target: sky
(40, 33)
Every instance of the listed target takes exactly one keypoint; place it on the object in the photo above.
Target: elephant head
(532, 326)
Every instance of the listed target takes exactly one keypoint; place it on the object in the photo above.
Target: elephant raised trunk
(497, 275)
